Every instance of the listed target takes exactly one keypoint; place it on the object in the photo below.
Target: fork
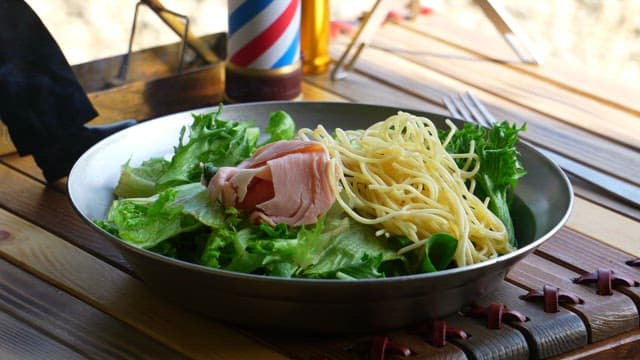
(468, 107)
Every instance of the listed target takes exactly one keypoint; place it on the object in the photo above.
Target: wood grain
(361, 89)
(19, 341)
(547, 334)
(605, 316)
(625, 346)
(120, 295)
(346, 347)
(72, 322)
(483, 343)
(606, 226)
(143, 100)
(413, 73)
(519, 88)
(47, 207)
(493, 47)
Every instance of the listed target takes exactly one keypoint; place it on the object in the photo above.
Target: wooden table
(65, 293)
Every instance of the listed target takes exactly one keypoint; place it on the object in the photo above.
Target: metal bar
(368, 27)
(506, 26)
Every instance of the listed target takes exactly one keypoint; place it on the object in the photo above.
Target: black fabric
(41, 101)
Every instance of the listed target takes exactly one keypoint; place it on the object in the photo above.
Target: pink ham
(284, 182)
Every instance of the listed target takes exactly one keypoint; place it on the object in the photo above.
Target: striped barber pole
(264, 34)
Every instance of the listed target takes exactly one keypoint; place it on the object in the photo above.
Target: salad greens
(500, 168)
(211, 141)
(164, 207)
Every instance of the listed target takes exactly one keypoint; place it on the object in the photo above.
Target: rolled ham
(283, 182)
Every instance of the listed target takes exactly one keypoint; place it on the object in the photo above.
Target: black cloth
(41, 101)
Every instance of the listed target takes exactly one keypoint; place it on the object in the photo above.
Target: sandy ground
(601, 35)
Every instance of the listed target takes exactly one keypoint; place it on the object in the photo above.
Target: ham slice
(283, 182)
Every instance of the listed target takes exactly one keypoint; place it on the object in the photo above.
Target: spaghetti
(397, 176)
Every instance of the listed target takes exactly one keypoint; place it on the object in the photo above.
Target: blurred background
(603, 36)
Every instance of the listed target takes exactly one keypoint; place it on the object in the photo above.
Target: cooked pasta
(397, 176)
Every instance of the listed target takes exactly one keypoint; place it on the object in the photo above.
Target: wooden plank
(557, 72)
(605, 316)
(606, 226)
(584, 190)
(50, 209)
(19, 341)
(519, 88)
(505, 343)
(547, 334)
(542, 130)
(311, 92)
(144, 100)
(6, 146)
(585, 255)
(120, 295)
(362, 89)
(626, 346)
(72, 322)
(309, 346)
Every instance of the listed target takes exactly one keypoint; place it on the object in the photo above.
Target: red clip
(605, 279)
(495, 314)
(633, 262)
(379, 346)
(551, 297)
(439, 332)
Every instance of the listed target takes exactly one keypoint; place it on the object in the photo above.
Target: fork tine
(461, 109)
(470, 106)
(451, 107)
(483, 110)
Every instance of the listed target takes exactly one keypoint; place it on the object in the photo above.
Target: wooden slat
(120, 295)
(626, 346)
(585, 255)
(492, 46)
(362, 89)
(144, 100)
(47, 207)
(311, 92)
(429, 85)
(606, 226)
(19, 341)
(519, 88)
(584, 190)
(344, 347)
(505, 343)
(71, 321)
(547, 334)
(605, 316)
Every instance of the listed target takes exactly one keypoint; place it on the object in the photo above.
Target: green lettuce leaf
(334, 247)
(439, 251)
(281, 127)
(146, 222)
(140, 181)
(210, 140)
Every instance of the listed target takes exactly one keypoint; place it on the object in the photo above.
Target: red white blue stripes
(264, 34)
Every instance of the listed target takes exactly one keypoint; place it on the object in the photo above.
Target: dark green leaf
(439, 251)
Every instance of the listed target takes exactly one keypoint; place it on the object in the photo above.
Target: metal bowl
(544, 195)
